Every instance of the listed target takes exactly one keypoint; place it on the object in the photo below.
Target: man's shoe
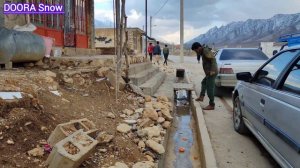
(200, 98)
(209, 107)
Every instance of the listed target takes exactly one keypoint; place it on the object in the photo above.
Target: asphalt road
(232, 150)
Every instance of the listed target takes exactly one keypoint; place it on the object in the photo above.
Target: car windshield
(246, 54)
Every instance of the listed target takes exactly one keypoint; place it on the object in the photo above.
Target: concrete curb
(208, 159)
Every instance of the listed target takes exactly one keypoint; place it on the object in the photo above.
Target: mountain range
(251, 32)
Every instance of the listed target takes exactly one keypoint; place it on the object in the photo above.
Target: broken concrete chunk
(104, 137)
(153, 131)
(36, 152)
(124, 128)
(150, 113)
(145, 164)
(155, 146)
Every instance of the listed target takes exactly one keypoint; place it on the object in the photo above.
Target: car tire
(218, 91)
(238, 122)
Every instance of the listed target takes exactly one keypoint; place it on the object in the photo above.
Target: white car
(234, 60)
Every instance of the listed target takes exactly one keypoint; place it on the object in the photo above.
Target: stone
(10, 142)
(149, 158)
(161, 120)
(166, 124)
(50, 74)
(158, 106)
(162, 99)
(128, 112)
(39, 63)
(150, 154)
(150, 113)
(104, 137)
(142, 133)
(48, 79)
(112, 79)
(158, 148)
(119, 165)
(68, 80)
(79, 81)
(148, 98)
(142, 144)
(123, 115)
(145, 164)
(102, 72)
(153, 131)
(141, 100)
(97, 63)
(166, 114)
(146, 122)
(140, 110)
(111, 115)
(159, 114)
(103, 150)
(148, 105)
(36, 152)
(135, 116)
(44, 129)
(124, 128)
(130, 122)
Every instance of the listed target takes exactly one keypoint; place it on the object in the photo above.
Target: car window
(292, 82)
(268, 75)
(242, 54)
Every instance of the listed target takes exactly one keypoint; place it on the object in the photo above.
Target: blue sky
(200, 15)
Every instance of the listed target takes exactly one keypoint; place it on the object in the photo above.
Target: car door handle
(262, 102)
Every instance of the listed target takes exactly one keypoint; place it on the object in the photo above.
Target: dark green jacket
(209, 62)
(166, 51)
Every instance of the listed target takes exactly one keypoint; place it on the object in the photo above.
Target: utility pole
(118, 45)
(150, 26)
(181, 30)
(146, 24)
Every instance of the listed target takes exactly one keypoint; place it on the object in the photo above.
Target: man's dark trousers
(151, 54)
(208, 84)
(166, 59)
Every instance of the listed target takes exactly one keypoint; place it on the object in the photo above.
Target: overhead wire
(161, 8)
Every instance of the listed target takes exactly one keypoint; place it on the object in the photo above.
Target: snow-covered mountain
(250, 32)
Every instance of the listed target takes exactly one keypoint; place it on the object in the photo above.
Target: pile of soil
(28, 122)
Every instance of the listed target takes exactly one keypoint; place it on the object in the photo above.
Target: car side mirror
(244, 76)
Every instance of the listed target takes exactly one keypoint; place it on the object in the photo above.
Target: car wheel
(218, 91)
(238, 121)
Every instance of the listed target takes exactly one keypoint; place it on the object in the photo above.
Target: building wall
(1, 14)
(268, 48)
(104, 38)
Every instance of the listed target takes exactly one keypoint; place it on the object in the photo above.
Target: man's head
(166, 45)
(157, 42)
(150, 43)
(197, 47)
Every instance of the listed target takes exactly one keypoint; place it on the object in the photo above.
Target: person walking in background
(211, 70)
(166, 54)
(157, 52)
(150, 51)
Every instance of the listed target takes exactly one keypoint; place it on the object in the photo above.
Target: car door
(255, 94)
(282, 109)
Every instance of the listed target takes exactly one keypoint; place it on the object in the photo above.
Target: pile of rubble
(147, 127)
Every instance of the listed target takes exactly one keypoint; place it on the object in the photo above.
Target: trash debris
(181, 149)
(56, 93)
(10, 95)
